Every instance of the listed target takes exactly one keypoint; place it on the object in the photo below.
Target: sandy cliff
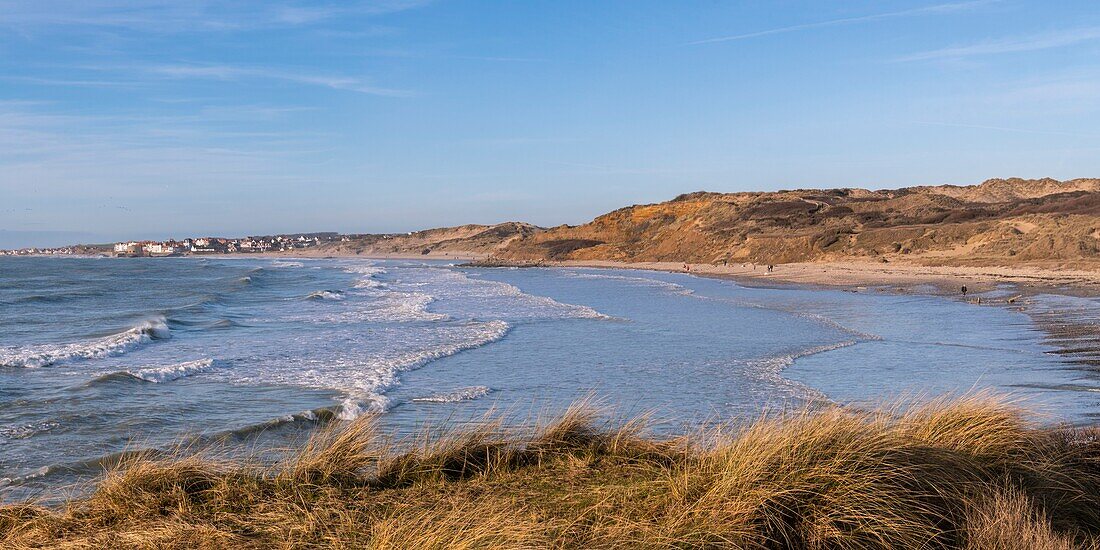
(463, 240)
(999, 222)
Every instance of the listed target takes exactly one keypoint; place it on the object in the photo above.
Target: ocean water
(104, 356)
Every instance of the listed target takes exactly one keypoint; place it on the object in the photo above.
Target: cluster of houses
(61, 251)
(200, 245)
(217, 245)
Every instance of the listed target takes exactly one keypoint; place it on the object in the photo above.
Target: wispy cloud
(1012, 45)
(234, 72)
(138, 152)
(70, 82)
(187, 16)
(926, 10)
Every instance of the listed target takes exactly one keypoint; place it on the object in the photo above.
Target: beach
(264, 350)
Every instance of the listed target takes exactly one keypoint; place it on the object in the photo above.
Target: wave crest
(461, 394)
(385, 375)
(333, 295)
(28, 430)
(115, 344)
(168, 373)
(368, 272)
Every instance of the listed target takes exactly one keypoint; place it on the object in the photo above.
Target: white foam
(404, 306)
(368, 282)
(364, 269)
(160, 375)
(334, 295)
(771, 369)
(36, 473)
(115, 344)
(780, 362)
(284, 263)
(375, 378)
(28, 430)
(384, 307)
(368, 273)
(567, 310)
(454, 396)
(495, 298)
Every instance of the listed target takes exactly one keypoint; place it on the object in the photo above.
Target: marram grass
(970, 473)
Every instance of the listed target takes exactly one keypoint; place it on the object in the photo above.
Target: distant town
(189, 246)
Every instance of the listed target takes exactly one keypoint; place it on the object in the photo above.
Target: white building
(126, 248)
(159, 248)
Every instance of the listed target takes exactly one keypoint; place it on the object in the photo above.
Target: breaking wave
(461, 394)
(159, 375)
(155, 374)
(404, 306)
(314, 416)
(487, 294)
(368, 282)
(335, 295)
(384, 373)
(27, 430)
(770, 369)
(115, 344)
(367, 279)
(37, 473)
(390, 307)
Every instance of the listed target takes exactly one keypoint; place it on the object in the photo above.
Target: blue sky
(156, 118)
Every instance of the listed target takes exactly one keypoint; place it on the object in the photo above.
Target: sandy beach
(1074, 279)
(906, 278)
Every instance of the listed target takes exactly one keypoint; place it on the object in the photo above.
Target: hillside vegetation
(999, 222)
(972, 473)
(464, 239)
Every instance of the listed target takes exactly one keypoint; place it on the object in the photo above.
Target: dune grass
(969, 473)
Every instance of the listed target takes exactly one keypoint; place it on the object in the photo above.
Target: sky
(124, 119)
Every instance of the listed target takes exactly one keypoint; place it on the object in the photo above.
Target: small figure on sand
(770, 268)
(964, 290)
(687, 268)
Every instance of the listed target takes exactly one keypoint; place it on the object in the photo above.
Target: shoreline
(943, 280)
(1075, 335)
(938, 280)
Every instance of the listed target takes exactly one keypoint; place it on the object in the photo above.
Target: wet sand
(1074, 334)
(898, 277)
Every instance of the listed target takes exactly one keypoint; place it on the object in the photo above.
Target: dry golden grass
(1008, 520)
(970, 473)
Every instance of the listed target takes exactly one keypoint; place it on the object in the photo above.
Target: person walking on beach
(963, 290)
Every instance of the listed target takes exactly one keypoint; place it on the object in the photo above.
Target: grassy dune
(969, 473)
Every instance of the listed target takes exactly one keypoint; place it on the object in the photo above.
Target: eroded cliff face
(997, 222)
(463, 239)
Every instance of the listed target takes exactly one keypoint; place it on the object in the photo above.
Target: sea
(100, 357)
